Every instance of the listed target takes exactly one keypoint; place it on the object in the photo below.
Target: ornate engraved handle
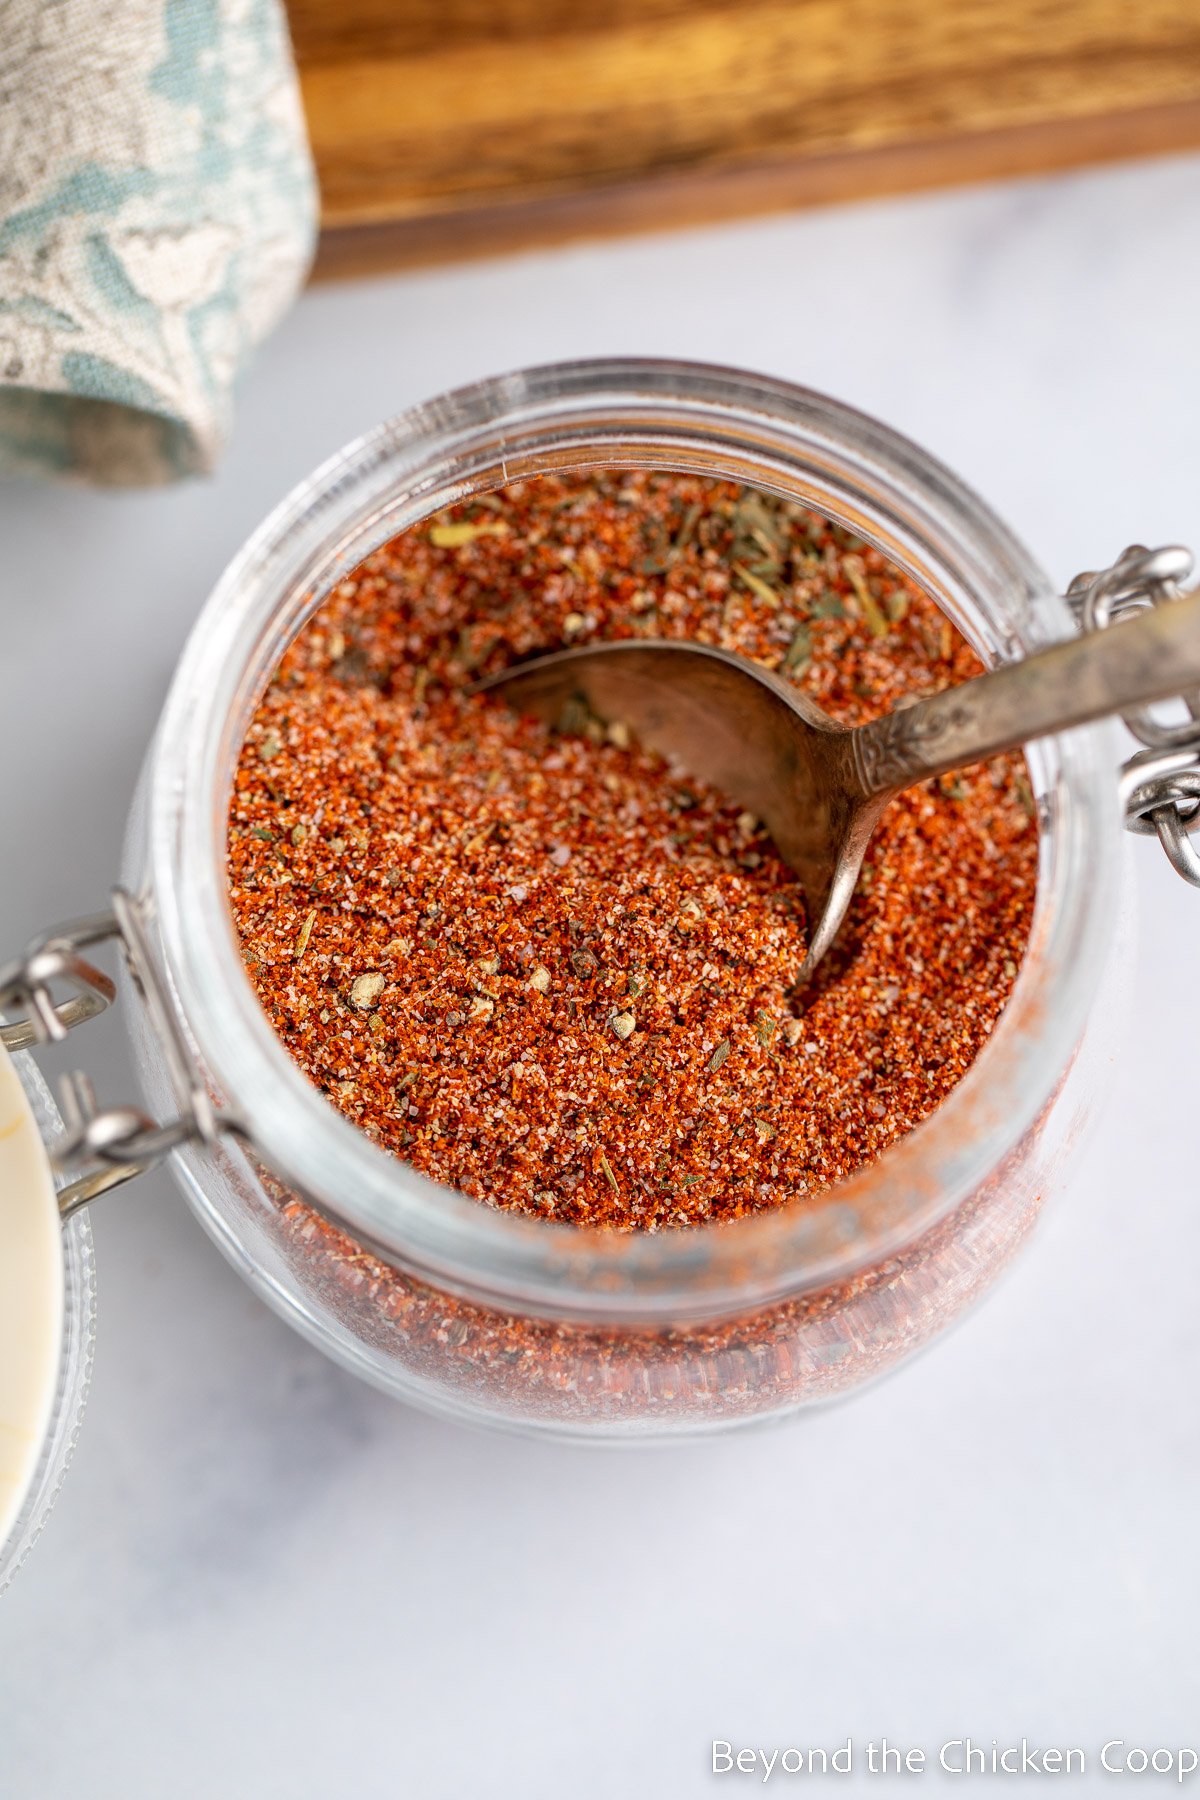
(1154, 656)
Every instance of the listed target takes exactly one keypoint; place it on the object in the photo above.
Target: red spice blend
(549, 971)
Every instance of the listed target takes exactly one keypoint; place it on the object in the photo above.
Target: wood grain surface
(445, 128)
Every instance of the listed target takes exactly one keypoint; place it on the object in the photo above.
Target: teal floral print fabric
(157, 216)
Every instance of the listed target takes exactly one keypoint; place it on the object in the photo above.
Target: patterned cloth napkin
(157, 216)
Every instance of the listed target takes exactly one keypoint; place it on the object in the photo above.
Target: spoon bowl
(742, 729)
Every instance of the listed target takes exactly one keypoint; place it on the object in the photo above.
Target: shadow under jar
(487, 1315)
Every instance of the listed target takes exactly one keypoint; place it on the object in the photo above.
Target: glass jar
(488, 1315)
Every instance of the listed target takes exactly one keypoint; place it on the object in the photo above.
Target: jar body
(543, 1327)
(460, 1356)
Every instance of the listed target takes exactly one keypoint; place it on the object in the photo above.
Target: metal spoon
(818, 787)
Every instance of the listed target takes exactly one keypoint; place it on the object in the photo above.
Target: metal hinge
(102, 1147)
(1160, 785)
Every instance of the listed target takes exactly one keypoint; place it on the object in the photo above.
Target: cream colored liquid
(31, 1294)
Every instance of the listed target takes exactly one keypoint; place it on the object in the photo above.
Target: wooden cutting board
(449, 128)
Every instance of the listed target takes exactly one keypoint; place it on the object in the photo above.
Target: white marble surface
(265, 1581)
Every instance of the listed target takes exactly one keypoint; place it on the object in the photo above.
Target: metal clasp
(1160, 785)
(102, 1147)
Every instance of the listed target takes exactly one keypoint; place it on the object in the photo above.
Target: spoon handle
(1153, 656)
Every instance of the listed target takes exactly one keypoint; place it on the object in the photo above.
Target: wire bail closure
(1160, 784)
(102, 1147)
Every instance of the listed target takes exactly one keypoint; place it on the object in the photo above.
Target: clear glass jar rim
(614, 413)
